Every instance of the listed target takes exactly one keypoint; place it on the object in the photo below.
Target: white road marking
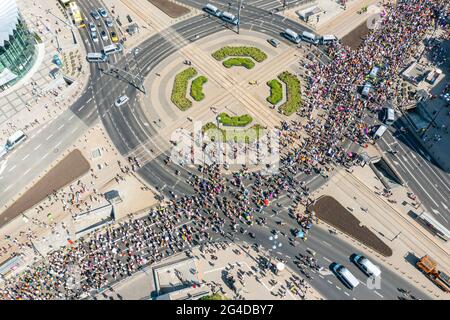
(49, 137)
(24, 158)
(12, 168)
(325, 258)
(25, 173)
(326, 243)
(60, 127)
(377, 293)
(329, 282)
(347, 294)
(2, 168)
(37, 147)
(339, 288)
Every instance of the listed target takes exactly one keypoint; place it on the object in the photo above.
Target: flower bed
(237, 121)
(239, 62)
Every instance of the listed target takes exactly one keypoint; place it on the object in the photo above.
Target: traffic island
(180, 85)
(332, 212)
(276, 92)
(293, 93)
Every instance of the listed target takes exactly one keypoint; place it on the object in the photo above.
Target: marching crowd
(220, 203)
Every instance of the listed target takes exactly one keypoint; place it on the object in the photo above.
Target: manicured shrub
(197, 88)
(293, 98)
(255, 53)
(236, 121)
(276, 91)
(239, 62)
(179, 89)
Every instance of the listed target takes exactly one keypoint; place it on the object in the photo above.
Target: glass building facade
(17, 55)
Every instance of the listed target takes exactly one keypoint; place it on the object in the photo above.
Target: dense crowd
(221, 203)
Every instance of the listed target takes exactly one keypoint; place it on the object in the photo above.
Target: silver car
(121, 100)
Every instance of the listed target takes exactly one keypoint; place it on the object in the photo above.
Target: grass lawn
(294, 98)
(197, 88)
(179, 89)
(239, 62)
(255, 53)
(276, 91)
(237, 121)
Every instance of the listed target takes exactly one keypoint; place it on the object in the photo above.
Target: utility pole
(239, 15)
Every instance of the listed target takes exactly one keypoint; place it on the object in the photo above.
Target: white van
(380, 131)
(345, 276)
(366, 90)
(328, 39)
(367, 266)
(16, 138)
(389, 116)
(229, 17)
(309, 37)
(373, 73)
(291, 35)
(209, 8)
(96, 57)
(112, 48)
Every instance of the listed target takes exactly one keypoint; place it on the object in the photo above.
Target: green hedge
(276, 91)
(239, 62)
(293, 98)
(237, 121)
(215, 296)
(246, 136)
(179, 89)
(197, 88)
(257, 54)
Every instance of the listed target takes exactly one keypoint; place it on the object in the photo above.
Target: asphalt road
(128, 128)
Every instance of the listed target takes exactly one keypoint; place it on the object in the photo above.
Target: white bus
(96, 57)
(209, 8)
(230, 18)
(309, 37)
(291, 35)
(112, 48)
(16, 138)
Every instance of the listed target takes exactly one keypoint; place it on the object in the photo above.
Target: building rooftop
(9, 15)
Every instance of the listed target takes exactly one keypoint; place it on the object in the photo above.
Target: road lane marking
(325, 258)
(12, 168)
(339, 288)
(37, 147)
(347, 294)
(49, 137)
(60, 127)
(377, 293)
(329, 282)
(24, 158)
(326, 243)
(25, 173)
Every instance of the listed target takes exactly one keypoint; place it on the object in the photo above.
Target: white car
(94, 36)
(121, 100)
(92, 27)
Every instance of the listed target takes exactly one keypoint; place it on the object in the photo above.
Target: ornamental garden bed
(197, 88)
(236, 121)
(179, 89)
(257, 54)
(276, 91)
(226, 135)
(293, 93)
(239, 62)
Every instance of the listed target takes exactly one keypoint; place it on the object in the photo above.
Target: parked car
(92, 27)
(104, 35)
(94, 36)
(109, 23)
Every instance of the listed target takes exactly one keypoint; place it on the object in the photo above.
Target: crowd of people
(220, 203)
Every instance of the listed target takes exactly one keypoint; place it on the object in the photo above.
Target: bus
(291, 35)
(113, 48)
(230, 18)
(209, 8)
(96, 57)
(15, 139)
